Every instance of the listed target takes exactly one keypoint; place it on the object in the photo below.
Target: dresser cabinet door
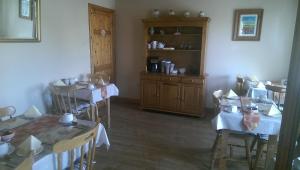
(169, 96)
(191, 99)
(150, 93)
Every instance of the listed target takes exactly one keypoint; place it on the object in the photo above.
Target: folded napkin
(32, 112)
(230, 94)
(273, 111)
(59, 83)
(31, 144)
(250, 120)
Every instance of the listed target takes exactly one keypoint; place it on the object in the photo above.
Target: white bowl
(67, 118)
(4, 148)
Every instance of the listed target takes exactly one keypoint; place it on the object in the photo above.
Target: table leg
(108, 113)
(271, 150)
(224, 138)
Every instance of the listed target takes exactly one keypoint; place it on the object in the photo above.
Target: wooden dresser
(176, 93)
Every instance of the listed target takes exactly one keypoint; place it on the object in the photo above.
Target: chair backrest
(240, 81)
(87, 139)
(64, 98)
(7, 111)
(93, 113)
(217, 99)
(100, 78)
(26, 164)
(278, 93)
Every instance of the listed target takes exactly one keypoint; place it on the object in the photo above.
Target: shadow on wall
(40, 92)
(213, 83)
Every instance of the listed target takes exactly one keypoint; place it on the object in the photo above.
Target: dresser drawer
(170, 79)
(192, 80)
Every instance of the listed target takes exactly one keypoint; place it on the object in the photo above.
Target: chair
(87, 139)
(8, 111)
(65, 100)
(100, 79)
(240, 90)
(278, 94)
(269, 146)
(231, 134)
(93, 114)
(26, 164)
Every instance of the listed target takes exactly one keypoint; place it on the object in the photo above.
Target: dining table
(225, 121)
(98, 94)
(49, 131)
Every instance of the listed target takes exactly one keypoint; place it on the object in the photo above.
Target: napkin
(230, 94)
(273, 111)
(32, 112)
(29, 145)
(59, 83)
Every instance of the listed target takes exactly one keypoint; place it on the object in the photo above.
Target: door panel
(191, 99)
(150, 93)
(169, 96)
(101, 40)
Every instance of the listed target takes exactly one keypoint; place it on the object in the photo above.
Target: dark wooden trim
(291, 113)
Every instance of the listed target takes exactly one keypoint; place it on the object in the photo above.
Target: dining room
(137, 84)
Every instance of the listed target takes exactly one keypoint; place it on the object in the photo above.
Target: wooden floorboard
(143, 140)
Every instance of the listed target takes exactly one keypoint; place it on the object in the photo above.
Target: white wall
(27, 68)
(268, 58)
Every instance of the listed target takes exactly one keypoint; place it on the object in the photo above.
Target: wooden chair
(26, 164)
(87, 139)
(101, 79)
(8, 111)
(93, 113)
(278, 94)
(65, 100)
(269, 147)
(240, 81)
(229, 135)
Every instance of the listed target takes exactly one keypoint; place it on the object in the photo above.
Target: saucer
(11, 149)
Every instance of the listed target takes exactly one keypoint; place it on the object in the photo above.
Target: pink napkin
(250, 120)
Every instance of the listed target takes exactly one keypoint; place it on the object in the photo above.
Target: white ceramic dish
(11, 149)
(61, 120)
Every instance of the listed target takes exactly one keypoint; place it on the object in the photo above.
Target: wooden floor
(143, 140)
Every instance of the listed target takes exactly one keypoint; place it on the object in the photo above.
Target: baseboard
(126, 100)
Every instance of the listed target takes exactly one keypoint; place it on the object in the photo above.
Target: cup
(160, 45)
(154, 44)
(68, 117)
(172, 66)
(167, 67)
(3, 148)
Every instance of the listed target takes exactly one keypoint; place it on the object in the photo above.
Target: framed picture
(247, 24)
(25, 9)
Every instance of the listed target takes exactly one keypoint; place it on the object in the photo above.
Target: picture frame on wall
(247, 24)
(25, 9)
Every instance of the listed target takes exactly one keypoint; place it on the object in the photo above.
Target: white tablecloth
(233, 121)
(49, 161)
(95, 95)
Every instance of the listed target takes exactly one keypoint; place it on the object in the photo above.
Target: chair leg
(216, 150)
(254, 143)
(248, 152)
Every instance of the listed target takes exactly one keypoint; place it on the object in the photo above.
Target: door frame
(291, 114)
(90, 6)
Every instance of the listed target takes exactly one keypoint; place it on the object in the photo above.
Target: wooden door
(101, 40)
(191, 99)
(169, 96)
(150, 94)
